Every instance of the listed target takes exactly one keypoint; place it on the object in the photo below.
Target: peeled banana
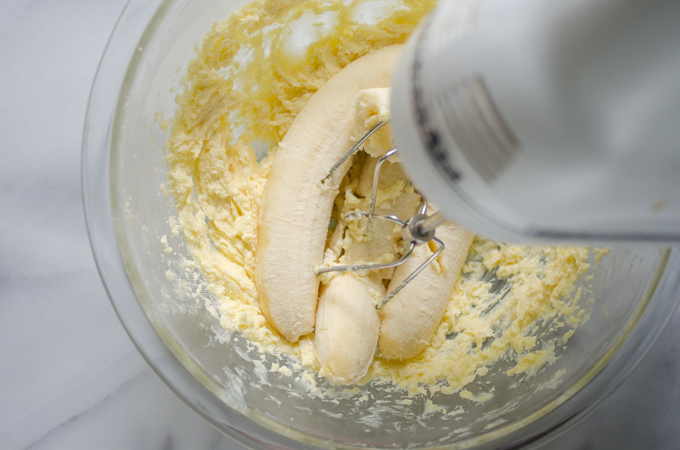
(409, 320)
(347, 328)
(297, 205)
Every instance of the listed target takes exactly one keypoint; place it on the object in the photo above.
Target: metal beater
(417, 230)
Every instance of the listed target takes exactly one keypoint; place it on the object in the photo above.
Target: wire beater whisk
(417, 230)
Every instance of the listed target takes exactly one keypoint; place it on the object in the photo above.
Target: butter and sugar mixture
(253, 73)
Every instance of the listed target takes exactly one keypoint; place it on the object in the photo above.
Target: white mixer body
(544, 120)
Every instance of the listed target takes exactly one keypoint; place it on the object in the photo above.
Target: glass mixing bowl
(224, 379)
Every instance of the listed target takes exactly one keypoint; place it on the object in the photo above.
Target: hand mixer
(540, 121)
(545, 121)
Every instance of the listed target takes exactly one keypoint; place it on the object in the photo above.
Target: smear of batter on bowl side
(252, 74)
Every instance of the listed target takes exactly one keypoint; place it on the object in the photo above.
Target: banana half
(347, 327)
(410, 319)
(297, 205)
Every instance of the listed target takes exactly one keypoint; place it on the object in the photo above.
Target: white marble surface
(71, 378)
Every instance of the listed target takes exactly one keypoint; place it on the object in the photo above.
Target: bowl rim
(123, 54)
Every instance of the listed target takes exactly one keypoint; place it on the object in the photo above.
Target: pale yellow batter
(252, 74)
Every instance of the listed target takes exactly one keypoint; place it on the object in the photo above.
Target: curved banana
(297, 206)
(409, 320)
(347, 327)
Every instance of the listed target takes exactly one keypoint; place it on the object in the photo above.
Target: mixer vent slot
(478, 129)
